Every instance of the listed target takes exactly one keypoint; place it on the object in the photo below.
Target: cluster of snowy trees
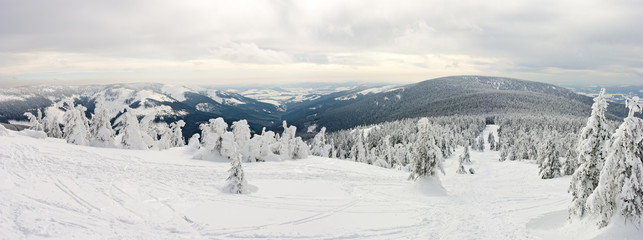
(215, 141)
(549, 140)
(70, 122)
(609, 179)
(415, 145)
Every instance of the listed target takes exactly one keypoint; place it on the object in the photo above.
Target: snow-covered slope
(50, 189)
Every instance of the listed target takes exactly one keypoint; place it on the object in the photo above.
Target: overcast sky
(249, 42)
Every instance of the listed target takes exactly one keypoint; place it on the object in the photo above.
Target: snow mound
(33, 134)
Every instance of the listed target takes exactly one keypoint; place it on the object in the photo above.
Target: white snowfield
(53, 190)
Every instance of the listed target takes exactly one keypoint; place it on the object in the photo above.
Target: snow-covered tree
(211, 138)
(228, 146)
(35, 121)
(268, 144)
(236, 181)
(466, 158)
(51, 123)
(319, 146)
(176, 139)
(426, 158)
(241, 131)
(592, 151)
(301, 150)
(286, 146)
(130, 131)
(492, 142)
(165, 136)
(193, 143)
(149, 131)
(76, 130)
(549, 161)
(461, 161)
(481, 144)
(620, 186)
(101, 132)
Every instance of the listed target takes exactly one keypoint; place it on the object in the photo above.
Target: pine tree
(241, 131)
(592, 151)
(130, 131)
(319, 146)
(481, 144)
(177, 139)
(236, 180)
(426, 156)
(35, 121)
(549, 161)
(51, 123)
(620, 187)
(101, 132)
(461, 161)
(465, 156)
(76, 129)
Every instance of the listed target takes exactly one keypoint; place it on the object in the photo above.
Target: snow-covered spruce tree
(319, 146)
(592, 151)
(481, 144)
(503, 154)
(149, 131)
(176, 139)
(51, 123)
(35, 121)
(165, 136)
(492, 142)
(130, 131)
(286, 146)
(193, 143)
(301, 149)
(101, 132)
(76, 130)
(461, 159)
(466, 158)
(236, 181)
(228, 146)
(549, 161)
(426, 157)
(241, 131)
(211, 137)
(620, 187)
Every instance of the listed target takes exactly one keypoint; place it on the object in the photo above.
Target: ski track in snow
(52, 189)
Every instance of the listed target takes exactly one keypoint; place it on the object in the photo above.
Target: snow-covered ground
(50, 189)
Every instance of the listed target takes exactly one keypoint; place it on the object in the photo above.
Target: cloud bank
(247, 42)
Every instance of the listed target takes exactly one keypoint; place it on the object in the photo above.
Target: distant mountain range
(336, 106)
(613, 93)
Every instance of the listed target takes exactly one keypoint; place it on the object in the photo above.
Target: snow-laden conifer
(426, 157)
(620, 186)
(466, 158)
(101, 132)
(481, 144)
(319, 146)
(130, 131)
(236, 181)
(492, 142)
(76, 130)
(241, 131)
(549, 160)
(35, 121)
(176, 139)
(51, 122)
(592, 151)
